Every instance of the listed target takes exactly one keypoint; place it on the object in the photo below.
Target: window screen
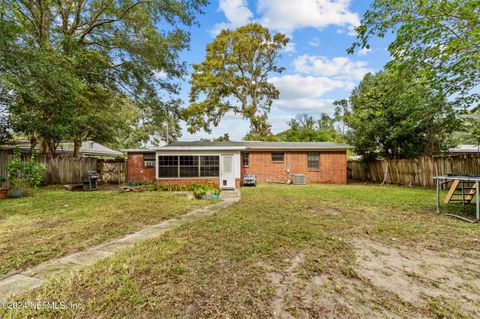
(188, 166)
(168, 166)
(278, 156)
(313, 160)
(149, 159)
(245, 159)
(209, 166)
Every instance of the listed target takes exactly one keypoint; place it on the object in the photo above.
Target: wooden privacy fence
(68, 170)
(413, 171)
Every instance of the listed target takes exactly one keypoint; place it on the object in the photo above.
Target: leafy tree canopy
(4, 127)
(440, 37)
(88, 68)
(469, 131)
(305, 128)
(234, 78)
(396, 114)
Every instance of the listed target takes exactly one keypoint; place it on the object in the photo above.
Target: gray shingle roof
(259, 145)
(89, 148)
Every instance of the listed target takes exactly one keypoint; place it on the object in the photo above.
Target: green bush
(197, 189)
(27, 173)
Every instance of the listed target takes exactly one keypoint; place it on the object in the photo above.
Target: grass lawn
(54, 222)
(317, 251)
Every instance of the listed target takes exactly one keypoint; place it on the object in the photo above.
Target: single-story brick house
(224, 163)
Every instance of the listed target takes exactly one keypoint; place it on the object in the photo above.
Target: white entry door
(227, 177)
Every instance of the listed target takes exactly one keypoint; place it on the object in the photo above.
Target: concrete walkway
(38, 275)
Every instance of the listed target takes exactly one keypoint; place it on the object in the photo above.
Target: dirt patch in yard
(283, 282)
(423, 277)
(327, 296)
(385, 281)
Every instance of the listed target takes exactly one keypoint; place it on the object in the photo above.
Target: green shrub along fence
(68, 170)
(413, 171)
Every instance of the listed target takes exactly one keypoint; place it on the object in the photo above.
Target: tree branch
(94, 23)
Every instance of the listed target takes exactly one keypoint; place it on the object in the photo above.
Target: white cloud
(314, 42)
(296, 86)
(236, 12)
(160, 74)
(288, 15)
(364, 51)
(338, 67)
(290, 48)
(306, 105)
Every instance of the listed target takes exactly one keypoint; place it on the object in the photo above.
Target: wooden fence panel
(413, 171)
(4, 158)
(68, 170)
(112, 171)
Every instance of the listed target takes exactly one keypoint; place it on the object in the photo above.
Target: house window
(313, 160)
(188, 166)
(244, 159)
(209, 166)
(168, 166)
(149, 160)
(278, 156)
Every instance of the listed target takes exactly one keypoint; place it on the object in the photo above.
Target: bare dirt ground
(418, 275)
(402, 281)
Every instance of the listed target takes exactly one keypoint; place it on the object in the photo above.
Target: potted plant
(199, 192)
(3, 191)
(215, 195)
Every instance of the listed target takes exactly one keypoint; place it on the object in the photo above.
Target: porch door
(227, 177)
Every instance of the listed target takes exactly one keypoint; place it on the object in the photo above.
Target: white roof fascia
(202, 148)
(302, 148)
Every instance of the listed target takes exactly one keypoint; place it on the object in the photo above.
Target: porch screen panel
(188, 166)
(209, 166)
(168, 166)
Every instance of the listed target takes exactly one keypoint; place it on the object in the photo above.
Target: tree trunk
(45, 149)
(77, 145)
(33, 143)
(49, 148)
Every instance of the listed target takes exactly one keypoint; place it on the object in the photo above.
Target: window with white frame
(168, 166)
(313, 160)
(245, 159)
(209, 166)
(184, 166)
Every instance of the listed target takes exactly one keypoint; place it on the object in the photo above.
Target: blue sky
(318, 69)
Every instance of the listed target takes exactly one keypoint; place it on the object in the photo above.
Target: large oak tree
(89, 68)
(234, 78)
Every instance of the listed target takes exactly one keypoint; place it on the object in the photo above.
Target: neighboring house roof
(247, 145)
(465, 148)
(89, 148)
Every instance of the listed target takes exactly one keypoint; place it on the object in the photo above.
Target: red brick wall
(136, 171)
(333, 167)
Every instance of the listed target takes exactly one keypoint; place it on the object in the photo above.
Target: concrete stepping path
(40, 274)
